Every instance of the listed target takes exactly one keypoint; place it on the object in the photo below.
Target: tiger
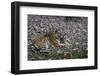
(48, 38)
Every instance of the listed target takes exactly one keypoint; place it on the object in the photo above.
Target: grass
(62, 53)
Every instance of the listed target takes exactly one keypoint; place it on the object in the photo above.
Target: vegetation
(62, 53)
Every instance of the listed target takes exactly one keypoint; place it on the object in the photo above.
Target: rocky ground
(66, 28)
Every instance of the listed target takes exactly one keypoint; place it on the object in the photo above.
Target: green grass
(62, 53)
